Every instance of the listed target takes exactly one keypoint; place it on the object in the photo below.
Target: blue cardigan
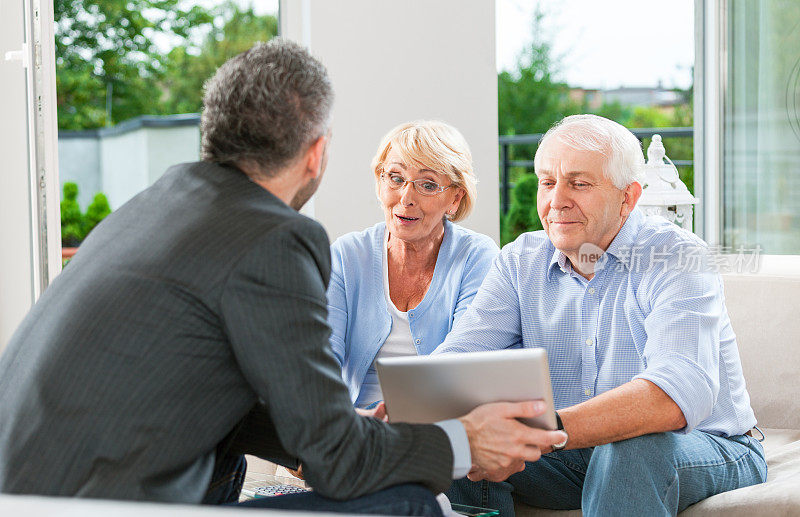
(357, 310)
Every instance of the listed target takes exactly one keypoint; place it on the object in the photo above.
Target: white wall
(16, 290)
(79, 162)
(168, 146)
(122, 163)
(123, 178)
(392, 62)
(134, 160)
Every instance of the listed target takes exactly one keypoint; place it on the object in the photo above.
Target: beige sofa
(765, 313)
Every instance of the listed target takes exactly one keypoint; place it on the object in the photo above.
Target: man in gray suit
(191, 328)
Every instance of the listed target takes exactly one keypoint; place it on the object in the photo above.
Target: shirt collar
(560, 261)
(619, 248)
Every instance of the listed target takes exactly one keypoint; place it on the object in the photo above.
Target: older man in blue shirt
(646, 374)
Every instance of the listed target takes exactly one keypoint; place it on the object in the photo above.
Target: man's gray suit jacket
(190, 303)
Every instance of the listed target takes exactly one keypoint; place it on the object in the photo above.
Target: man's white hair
(624, 163)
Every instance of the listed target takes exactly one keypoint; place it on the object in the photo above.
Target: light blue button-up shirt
(653, 310)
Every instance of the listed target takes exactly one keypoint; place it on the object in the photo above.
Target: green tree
(683, 148)
(72, 223)
(647, 116)
(105, 50)
(613, 111)
(530, 100)
(678, 148)
(187, 69)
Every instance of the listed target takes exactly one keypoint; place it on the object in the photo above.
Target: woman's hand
(297, 473)
(378, 412)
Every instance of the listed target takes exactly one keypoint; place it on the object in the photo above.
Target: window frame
(40, 64)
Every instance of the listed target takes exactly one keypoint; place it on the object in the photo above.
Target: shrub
(71, 217)
(96, 211)
(74, 224)
(522, 215)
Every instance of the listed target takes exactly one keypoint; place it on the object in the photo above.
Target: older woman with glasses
(398, 287)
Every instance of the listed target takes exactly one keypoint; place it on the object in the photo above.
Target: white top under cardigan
(399, 342)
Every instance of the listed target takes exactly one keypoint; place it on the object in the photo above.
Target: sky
(599, 44)
(605, 44)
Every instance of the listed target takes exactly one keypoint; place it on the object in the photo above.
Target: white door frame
(40, 63)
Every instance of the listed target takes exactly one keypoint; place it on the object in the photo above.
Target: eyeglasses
(425, 187)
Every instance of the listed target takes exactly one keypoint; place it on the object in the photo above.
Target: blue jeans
(655, 474)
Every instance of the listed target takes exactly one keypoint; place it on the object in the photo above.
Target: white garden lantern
(663, 191)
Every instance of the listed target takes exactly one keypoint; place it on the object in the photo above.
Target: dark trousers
(247, 438)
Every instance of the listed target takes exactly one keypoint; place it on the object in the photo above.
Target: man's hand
(500, 444)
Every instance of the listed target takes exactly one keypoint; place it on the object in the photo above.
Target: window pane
(128, 105)
(761, 142)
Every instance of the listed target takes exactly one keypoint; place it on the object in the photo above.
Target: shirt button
(587, 391)
(589, 341)
(417, 341)
(410, 314)
(591, 290)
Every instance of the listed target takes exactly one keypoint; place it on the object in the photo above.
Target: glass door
(760, 155)
(28, 170)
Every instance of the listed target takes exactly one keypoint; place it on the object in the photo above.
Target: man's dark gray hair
(264, 106)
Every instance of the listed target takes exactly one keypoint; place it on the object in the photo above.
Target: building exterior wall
(169, 146)
(123, 166)
(79, 162)
(122, 160)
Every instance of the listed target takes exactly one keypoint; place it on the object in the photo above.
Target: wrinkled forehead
(405, 159)
(557, 156)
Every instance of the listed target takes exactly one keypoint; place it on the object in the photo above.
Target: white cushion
(763, 313)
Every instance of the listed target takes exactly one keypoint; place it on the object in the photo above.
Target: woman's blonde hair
(435, 145)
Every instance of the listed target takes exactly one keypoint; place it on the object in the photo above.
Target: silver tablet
(430, 388)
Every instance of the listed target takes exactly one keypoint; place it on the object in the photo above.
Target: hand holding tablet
(500, 443)
(431, 388)
(502, 398)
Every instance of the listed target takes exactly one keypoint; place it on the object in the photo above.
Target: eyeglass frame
(439, 190)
